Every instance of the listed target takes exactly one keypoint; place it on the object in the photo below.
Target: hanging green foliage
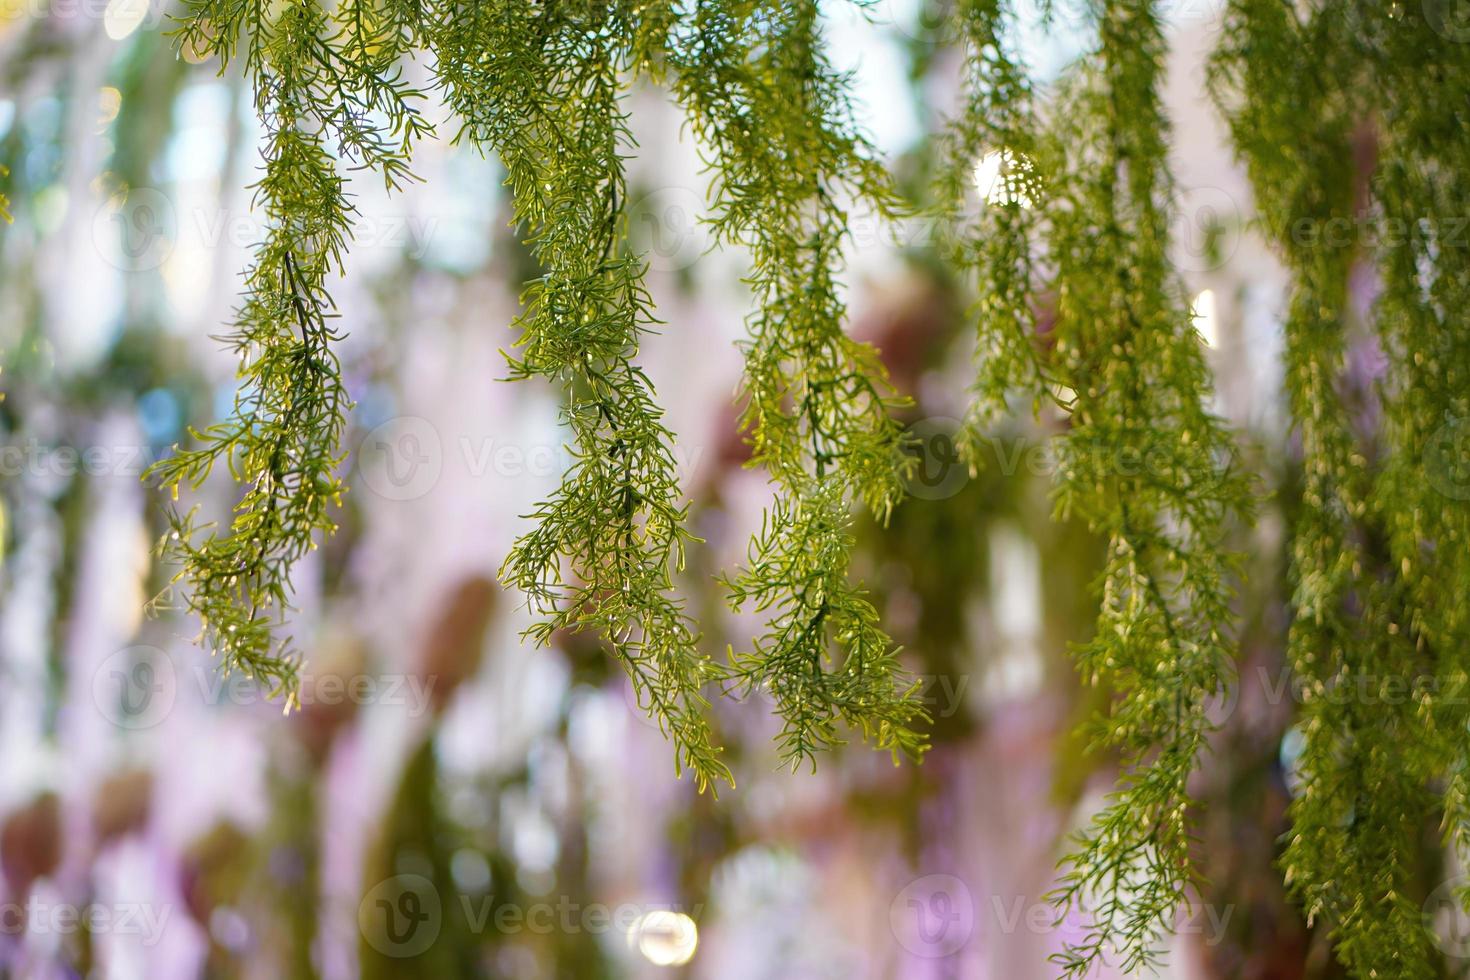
(1351, 122)
(326, 86)
(1081, 212)
(1057, 208)
(541, 86)
(787, 152)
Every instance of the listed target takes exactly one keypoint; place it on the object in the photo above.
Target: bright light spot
(1001, 177)
(50, 207)
(471, 871)
(1205, 319)
(109, 101)
(123, 17)
(665, 938)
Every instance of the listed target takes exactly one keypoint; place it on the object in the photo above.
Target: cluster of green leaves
(996, 135)
(1164, 493)
(1079, 228)
(541, 84)
(1351, 121)
(788, 156)
(1081, 224)
(325, 90)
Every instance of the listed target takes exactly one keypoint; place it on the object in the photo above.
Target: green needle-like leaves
(541, 85)
(759, 92)
(1141, 460)
(315, 86)
(1346, 116)
(1379, 563)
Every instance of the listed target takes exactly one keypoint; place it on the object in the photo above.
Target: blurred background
(449, 802)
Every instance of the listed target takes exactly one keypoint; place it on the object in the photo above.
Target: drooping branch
(540, 84)
(758, 90)
(1142, 461)
(314, 87)
(1300, 93)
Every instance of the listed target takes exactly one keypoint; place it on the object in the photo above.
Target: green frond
(1055, 207)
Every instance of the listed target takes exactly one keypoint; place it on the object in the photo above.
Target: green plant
(1079, 314)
